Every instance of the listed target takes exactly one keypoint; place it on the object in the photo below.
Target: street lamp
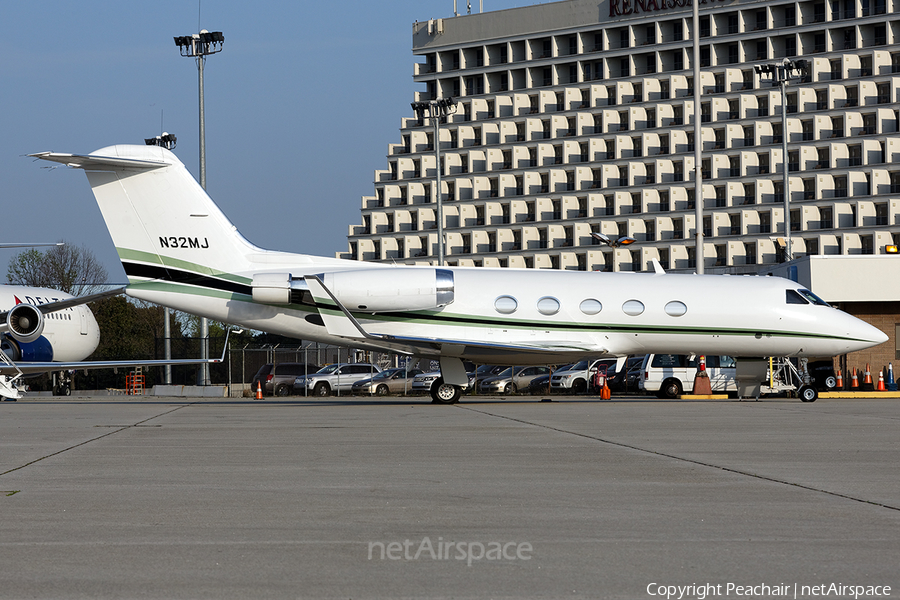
(781, 74)
(437, 109)
(199, 46)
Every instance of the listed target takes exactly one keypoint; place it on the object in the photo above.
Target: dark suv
(279, 379)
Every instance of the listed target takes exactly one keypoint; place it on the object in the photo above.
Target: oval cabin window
(506, 305)
(633, 308)
(676, 308)
(548, 305)
(591, 306)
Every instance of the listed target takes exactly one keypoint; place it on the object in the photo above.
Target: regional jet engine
(25, 323)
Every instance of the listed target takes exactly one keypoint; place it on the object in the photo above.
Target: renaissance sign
(618, 8)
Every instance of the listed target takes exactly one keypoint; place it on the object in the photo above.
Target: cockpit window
(804, 297)
(813, 298)
(794, 297)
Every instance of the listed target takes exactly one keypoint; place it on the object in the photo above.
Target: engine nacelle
(392, 289)
(40, 350)
(272, 288)
(25, 323)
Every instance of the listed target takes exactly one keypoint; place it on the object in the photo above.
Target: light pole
(437, 109)
(781, 73)
(199, 46)
(167, 141)
(699, 256)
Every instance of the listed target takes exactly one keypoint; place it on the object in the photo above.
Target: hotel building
(576, 117)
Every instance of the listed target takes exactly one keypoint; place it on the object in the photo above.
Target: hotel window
(760, 20)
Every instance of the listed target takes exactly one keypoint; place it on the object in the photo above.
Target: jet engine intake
(25, 323)
(392, 289)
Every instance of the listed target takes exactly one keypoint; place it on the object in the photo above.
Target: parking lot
(397, 497)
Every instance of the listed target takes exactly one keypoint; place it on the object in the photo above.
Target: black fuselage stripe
(146, 271)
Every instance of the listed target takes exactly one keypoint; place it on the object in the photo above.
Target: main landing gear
(445, 393)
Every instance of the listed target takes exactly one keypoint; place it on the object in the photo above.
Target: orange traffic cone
(840, 381)
(868, 379)
(880, 387)
(854, 380)
(259, 391)
(605, 392)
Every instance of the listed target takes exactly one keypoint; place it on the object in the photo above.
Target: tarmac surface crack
(685, 459)
(120, 428)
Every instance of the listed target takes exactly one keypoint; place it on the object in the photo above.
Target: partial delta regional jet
(44, 330)
(180, 250)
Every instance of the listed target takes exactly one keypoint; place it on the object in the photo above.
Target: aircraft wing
(44, 367)
(341, 322)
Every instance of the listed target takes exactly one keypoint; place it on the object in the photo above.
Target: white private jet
(179, 250)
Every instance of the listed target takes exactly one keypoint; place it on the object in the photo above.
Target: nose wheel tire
(807, 393)
(445, 393)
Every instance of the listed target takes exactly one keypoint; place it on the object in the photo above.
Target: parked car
(278, 379)
(578, 378)
(538, 386)
(335, 378)
(670, 375)
(483, 372)
(627, 379)
(511, 380)
(822, 373)
(389, 381)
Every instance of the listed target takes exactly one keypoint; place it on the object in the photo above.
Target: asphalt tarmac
(491, 498)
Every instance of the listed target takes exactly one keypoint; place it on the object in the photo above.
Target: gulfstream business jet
(179, 250)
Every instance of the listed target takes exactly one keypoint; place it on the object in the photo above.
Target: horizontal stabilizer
(89, 161)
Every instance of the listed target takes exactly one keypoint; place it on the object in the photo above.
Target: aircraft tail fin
(163, 224)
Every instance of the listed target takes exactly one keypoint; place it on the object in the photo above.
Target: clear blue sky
(300, 108)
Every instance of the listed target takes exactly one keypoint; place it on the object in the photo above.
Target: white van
(670, 375)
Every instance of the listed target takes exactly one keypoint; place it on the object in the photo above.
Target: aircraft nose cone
(880, 337)
(867, 334)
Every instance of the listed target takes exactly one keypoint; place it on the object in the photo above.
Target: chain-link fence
(242, 362)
